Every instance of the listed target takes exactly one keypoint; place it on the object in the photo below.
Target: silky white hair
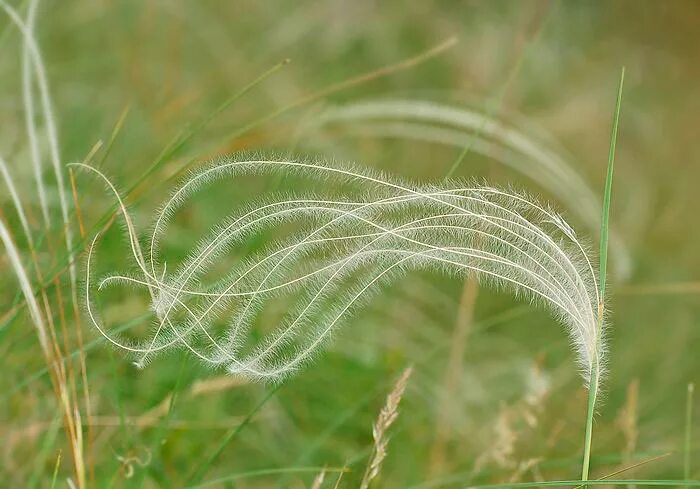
(338, 252)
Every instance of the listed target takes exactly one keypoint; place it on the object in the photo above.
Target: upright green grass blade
(604, 227)
(688, 431)
(113, 137)
(55, 470)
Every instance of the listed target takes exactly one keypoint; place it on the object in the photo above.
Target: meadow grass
(459, 277)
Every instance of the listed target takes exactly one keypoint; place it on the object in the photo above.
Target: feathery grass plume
(338, 249)
(386, 418)
(513, 143)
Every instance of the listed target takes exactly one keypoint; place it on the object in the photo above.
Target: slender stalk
(688, 431)
(55, 470)
(201, 471)
(575, 484)
(592, 395)
(604, 228)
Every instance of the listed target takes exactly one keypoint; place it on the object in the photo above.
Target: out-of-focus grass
(519, 400)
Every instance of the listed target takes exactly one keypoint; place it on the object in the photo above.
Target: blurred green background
(516, 410)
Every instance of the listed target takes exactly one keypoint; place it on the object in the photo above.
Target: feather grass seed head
(342, 246)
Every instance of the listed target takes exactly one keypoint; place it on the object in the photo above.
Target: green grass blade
(164, 424)
(124, 430)
(604, 482)
(204, 467)
(264, 472)
(55, 471)
(604, 228)
(604, 225)
(688, 431)
(113, 137)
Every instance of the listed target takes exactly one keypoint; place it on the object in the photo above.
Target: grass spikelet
(386, 418)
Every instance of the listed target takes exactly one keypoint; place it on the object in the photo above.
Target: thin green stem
(605, 482)
(55, 470)
(592, 395)
(604, 228)
(162, 428)
(688, 431)
(201, 471)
